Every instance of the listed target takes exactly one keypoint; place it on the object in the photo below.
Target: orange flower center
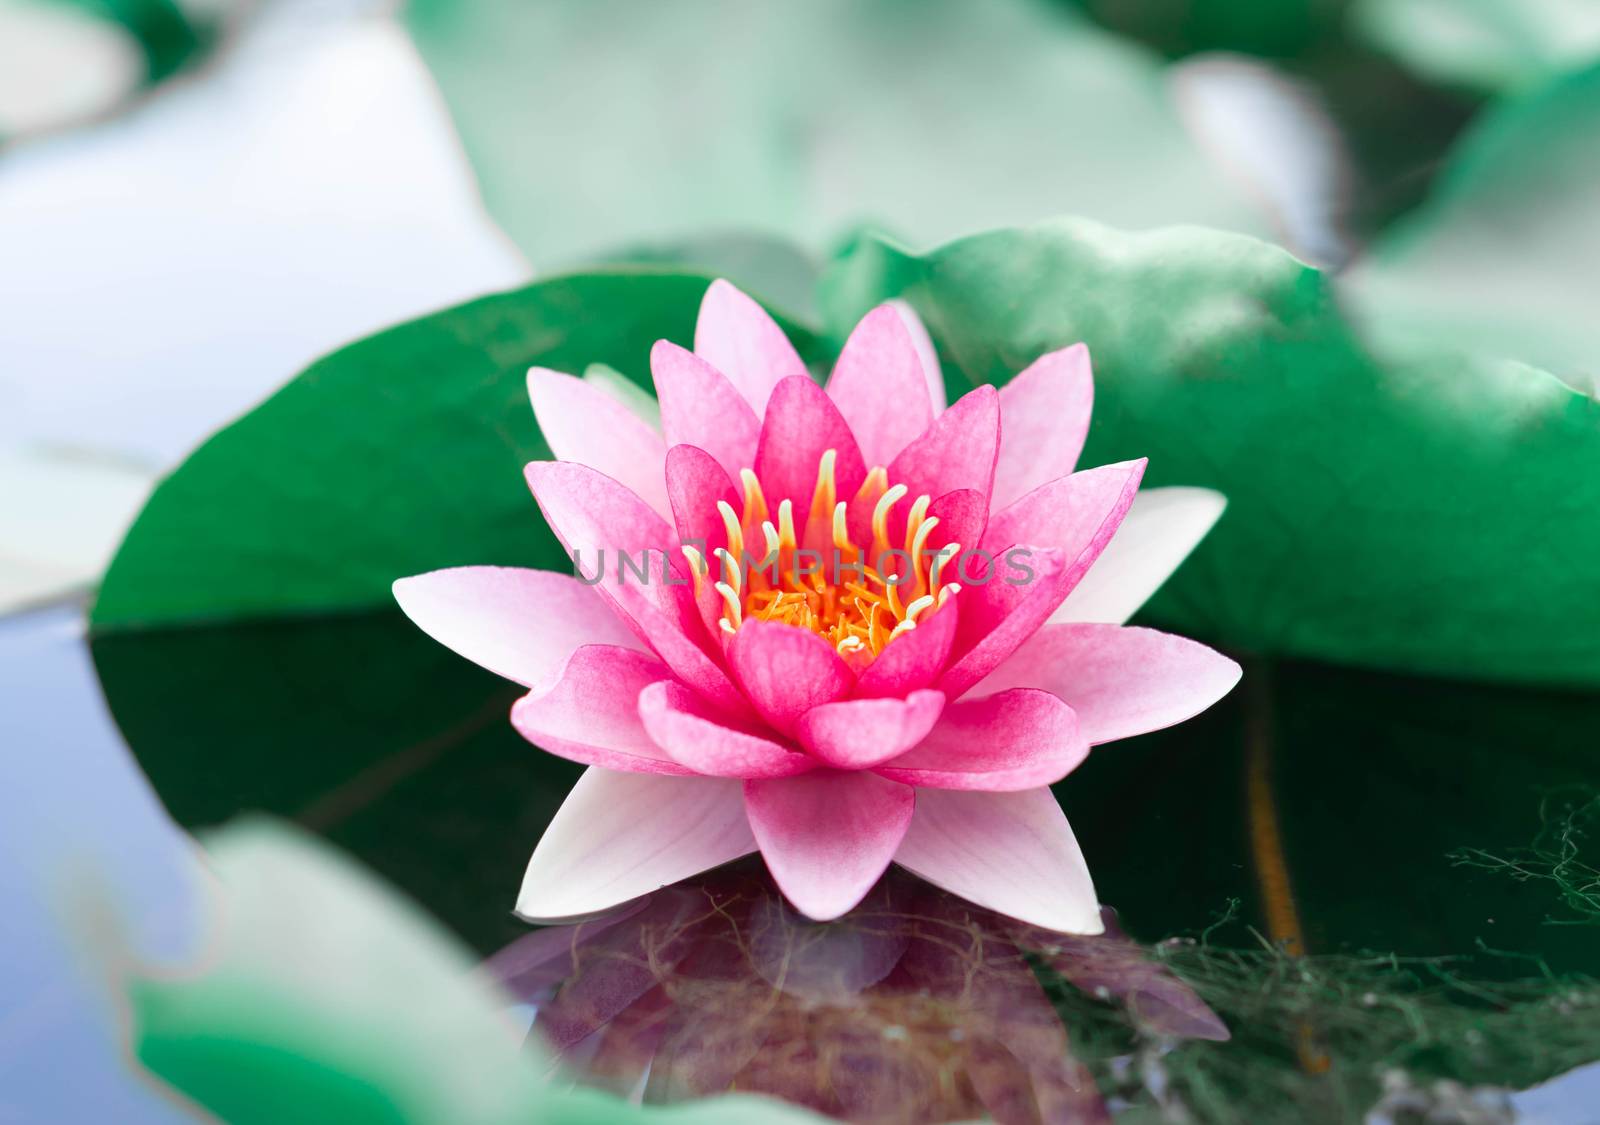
(858, 596)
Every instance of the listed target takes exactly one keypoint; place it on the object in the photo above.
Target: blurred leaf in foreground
(320, 996)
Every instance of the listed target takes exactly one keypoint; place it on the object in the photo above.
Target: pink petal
(699, 406)
(520, 624)
(926, 353)
(801, 424)
(590, 712)
(1018, 739)
(1161, 528)
(1077, 516)
(1044, 417)
(695, 483)
(619, 836)
(957, 451)
(880, 387)
(591, 513)
(583, 423)
(912, 660)
(1025, 586)
(707, 742)
(1069, 512)
(827, 836)
(1010, 852)
(1121, 681)
(736, 336)
(962, 515)
(786, 671)
(857, 734)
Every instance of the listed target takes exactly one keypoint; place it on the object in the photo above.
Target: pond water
(1337, 891)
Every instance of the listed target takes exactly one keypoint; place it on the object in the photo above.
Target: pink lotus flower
(909, 707)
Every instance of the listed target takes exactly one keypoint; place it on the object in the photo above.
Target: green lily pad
(1501, 260)
(1439, 516)
(940, 116)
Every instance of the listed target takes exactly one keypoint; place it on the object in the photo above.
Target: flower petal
(801, 424)
(857, 734)
(1120, 680)
(914, 659)
(699, 406)
(518, 623)
(583, 423)
(962, 515)
(695, 483)
(1011, 852)
(1078, 515)
(957, 451)
(591, 513)
(785, 671)
(1161, 528)
(706, 742)
(1069, 512)
(590, 712)
(880, 387)
(926, 352)
(735, 335)
(621, 835)
(1044, 417)
(1024, 587)
(1017, 739)
(827, 836)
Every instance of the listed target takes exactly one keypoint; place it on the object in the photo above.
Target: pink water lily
(913, 710)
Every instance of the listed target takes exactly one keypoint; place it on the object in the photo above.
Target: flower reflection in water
(915, 1006)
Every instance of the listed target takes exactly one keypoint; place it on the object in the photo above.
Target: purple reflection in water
(916, 1006)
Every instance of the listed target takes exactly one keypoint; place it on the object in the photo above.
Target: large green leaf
(1502, 257)
(399, 454)
(608, 121)
(1497, 45)
(1441, 516)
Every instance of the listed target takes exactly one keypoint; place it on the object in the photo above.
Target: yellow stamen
(940, 558)
(786, 525)
(849, 603)
(730, 599)
(826, 494)
(918, 542)
(841, 529)
(730, 523)
(697, 565)
(732, 572)
(880, 517)
(755, 501)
